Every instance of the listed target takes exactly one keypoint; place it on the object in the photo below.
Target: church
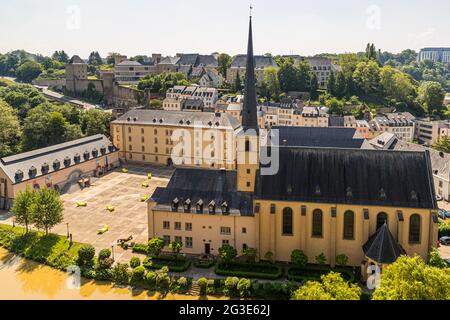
(370, 205)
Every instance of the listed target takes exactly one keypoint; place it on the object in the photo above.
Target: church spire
(249, 111)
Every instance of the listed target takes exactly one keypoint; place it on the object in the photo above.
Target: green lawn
(52, 250)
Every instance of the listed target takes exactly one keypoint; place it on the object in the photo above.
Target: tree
(176, 247)
(287, 75)
(367, 78)
(155, 246)
(227, 253)
(409, 278)
(95, 59)
(443, 145)
(47, 209)
(22, 208)
(435, 259)
(121, 275)
(272, 82)
(299, 258)
(28, 71)
(224, 62)
(431, 97)
(250, 254)
(238, 83)
(340, 86)
(269, 256)
(96, 121)
(10, 132)
(61, 56)
(397, 85)
(331, 287)
(331, 84)
(314, 87)
(303, 76)
(110, 59)
(86, 255)
(371, 52)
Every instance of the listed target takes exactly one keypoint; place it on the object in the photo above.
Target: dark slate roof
(177, 118)
(261, 62)
(206, 185)
(197, 60)
(350, 176)
(336, 121)
(54, 154)
(382, 247)
(319, 137)
(76, 60)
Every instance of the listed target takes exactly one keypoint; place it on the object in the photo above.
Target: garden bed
(174, 264)
(204, 263)
(249, 270)
(314, 272)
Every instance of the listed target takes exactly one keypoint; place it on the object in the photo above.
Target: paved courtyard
(121, 190)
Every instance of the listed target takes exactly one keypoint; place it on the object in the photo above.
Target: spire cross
(251, 9)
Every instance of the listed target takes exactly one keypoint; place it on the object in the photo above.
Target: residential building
(322, 68)
(429, 131)
(310, 116)
(434, 54)
(130, 72)
(59, 167)
(211, 78)
(172, 104)
(208, 96)
(401, 124)
(238, 67)
(314, 202)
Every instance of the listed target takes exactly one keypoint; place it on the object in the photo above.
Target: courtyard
(122, 191)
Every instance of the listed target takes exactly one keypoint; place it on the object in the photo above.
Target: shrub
(182, 282)
(269, 256)
(151, 279)
(204, 263)
(202, 283)
(435, 259)
(244, 287)
(321, 259)
(230, 289)
(104, 274)
(246, 270)
(341, 260)
(162, 279)
(174, 264)
(86, 255)
(137, 275)
(299, 258)
(155, 246)
(227, 253)
(121, 274)
(104, 254)
(140, 248)
(250, 254)
(105, 263)
(135, 262)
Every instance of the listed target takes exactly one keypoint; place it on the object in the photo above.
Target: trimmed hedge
(204, 263)
(174, 264)
(140, 248)
(314, 272)
(249, 270)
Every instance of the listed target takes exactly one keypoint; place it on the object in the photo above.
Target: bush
(244, 287)
(230, 288)
(299, 258)
(151, 279)
(204, 263)
(105, 263)
(121, 274)
(140, 248)
(173, 263)
(246, 270)
(104, 254)
(135, 262)
(104, 274)
(227, 253)
(137, 275)
(202, 283)
(341, 260)
(86, 255)
(321, 259)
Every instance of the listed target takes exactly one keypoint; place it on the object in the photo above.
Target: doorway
(207, 248)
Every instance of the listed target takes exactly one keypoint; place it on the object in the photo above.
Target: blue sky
(281, 27)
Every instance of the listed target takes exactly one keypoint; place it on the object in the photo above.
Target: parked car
(439, 198)
(442, 214)
(447, 214)
(447, 262)
(445, 241)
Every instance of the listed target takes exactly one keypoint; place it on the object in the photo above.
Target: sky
(133, 27)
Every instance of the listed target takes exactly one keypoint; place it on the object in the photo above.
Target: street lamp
(68, 233)
(112, 251)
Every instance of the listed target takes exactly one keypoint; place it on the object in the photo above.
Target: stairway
(195, 289)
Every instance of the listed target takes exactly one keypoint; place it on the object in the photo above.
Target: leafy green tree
(61, 56)
(95, 59)
(47, 209)
(314, 87)
(96, 121)
(340, 86)
(86, 255)
(331, 84)
(331, 287)
(272, 82)
(137, 275)
(299, 258)
(303, 76)
(22, 208)
(435, 259)
(135, 262)
(121, 275)
(227, 253)
(371, 52)
(110, 59)
(443, 144)
(155, 246)
(176, 247)
(287, 75)
(28, 71)
(431, 96)
(10, 131)
(397, 85)
(224, 62)
(237, 83)
(409, 278)
(367, 78)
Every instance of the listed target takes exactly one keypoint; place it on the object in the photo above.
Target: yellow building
(57, 167)
(331, 198)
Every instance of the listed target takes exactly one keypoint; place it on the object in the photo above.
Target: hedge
(140, 248)
(174, 264)
(249, 270)
(314, 272)
(204, 263)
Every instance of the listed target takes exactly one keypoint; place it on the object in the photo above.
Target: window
(129, 129)
(247, 146)
(381, 219)
(225, 242)
(177, 225)
(272, 209)
(225, 230)
(179, 239)
(317, 227)
(166, 240)
(166, 225)
(244, 230)
(287, 221)
(248, 171)
(414, 229)
(349, 225)
(142, 131)
(188, 226)
(188, 242)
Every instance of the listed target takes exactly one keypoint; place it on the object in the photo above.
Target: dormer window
(413, 195)
(45, 168)
(111, 148)
(175, 204)
(212, 207)
(383, 194)
(77, 158)
(86, 155)
(187, 206)
(56, 165)
(19, 175)
(349, 192)
(199, 206)
(67, 162)
(225, 208)
(95, 153)
(32, 172)
(103, 150)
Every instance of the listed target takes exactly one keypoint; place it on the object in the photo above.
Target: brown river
(21, 279)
